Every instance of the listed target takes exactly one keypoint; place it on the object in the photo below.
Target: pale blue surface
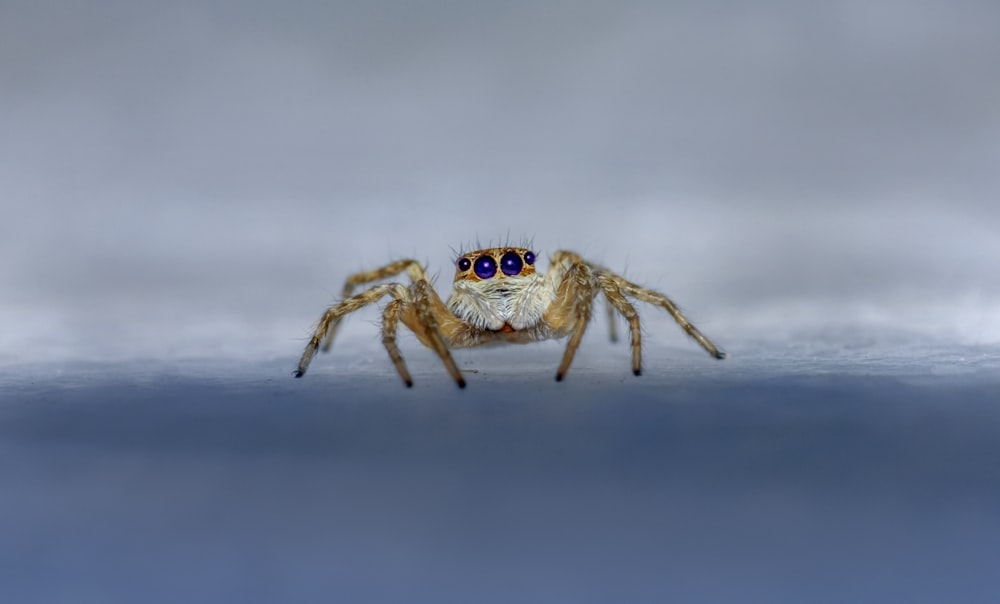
(853, 481)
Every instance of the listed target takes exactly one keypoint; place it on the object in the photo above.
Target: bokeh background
(185, 177)
(185, 185)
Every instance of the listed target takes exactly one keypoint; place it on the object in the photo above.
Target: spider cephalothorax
(497, 289)
(497, 297)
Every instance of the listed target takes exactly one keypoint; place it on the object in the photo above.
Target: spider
(498, 297)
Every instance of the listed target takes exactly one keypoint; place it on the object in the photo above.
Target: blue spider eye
(510, 264)
(486, 267)
(464, 264)
(529, 258)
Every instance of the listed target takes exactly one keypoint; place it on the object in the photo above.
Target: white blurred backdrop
(198, 178)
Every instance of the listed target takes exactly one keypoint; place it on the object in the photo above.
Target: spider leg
(654, 297)
(390, 319)
(617, 300)
(412, 267)
(612, 328)
(427, 306)
(335, 313)
(577, 288)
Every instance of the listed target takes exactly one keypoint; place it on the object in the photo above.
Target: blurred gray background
(197, 178)
(184, 187)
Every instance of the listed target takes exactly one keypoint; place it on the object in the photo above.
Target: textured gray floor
(784, 474)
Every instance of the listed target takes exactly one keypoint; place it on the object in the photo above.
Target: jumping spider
(497, 297)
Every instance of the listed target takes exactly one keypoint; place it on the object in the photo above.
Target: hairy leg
(654, 297)
(427, 308)
(561, 260)
(390, 319)
(612, 328)
(335, 313)
(413, 268)
(617, 300)
(575, 298)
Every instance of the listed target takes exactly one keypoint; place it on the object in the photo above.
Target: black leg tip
(298, 373)
(720, 355)
(637, 372)
(409, 383)
(559, 377)
(461, 383)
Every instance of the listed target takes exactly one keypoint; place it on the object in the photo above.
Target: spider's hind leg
(654, 297)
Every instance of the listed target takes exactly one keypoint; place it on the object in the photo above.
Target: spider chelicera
(497, 297)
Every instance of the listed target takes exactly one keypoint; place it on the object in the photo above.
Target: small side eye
(464, 264)
(529, 258)
(486, 267)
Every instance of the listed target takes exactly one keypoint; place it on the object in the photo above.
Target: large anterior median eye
(486, 267)
(464, 264)
(510, 264)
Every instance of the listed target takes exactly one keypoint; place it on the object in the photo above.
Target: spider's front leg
(335, 313)
(577, 282)
(426, 316)
(418, 307)
(390, 320)
(575, 288)
(413, 268)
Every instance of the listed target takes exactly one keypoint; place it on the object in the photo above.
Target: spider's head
(495, 263)
(498, 289)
